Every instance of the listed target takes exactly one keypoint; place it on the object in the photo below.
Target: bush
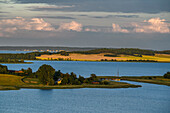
(167, 75)
(105, 82)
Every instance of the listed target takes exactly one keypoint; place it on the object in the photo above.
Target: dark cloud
(126, 6)
(82, 15)
(55, 17)
(49, 8)
(122, 16)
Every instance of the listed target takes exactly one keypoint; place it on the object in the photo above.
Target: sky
(86, 23)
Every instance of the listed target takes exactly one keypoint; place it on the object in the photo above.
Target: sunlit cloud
(92, 30)
(117, 28)
(19, 23)
(8, 27)
(72, 26)
(152, 25)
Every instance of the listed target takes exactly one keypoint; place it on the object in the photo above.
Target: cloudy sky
(86, 23)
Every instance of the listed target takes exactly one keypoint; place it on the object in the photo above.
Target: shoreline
(94, 61)
(143, 79)
(67, 87)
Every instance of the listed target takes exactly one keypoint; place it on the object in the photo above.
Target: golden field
(98, 57)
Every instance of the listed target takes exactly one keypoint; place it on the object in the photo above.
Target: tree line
(47, 75)
(125, 51)
(24, 56)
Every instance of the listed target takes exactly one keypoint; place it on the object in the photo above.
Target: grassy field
(12, 82)
(98, 57)
(151, 79)
(146, 79)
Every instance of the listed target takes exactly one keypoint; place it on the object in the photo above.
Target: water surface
(150, 98)
(100, 68)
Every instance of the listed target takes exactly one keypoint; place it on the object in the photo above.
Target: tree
(46, 74)
(3, 69)
(167, 75)
(64, 81)
(81, 78)
(57, 75)
(29, 72)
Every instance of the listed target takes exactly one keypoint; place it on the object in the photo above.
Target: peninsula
(47, 78)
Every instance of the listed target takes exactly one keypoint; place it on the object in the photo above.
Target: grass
(98, 57)
(146, 79)
(9, 88)
(149, 79)
(31, 81)
(10, 80)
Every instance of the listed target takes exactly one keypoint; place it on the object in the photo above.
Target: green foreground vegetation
(14, 82)
(47, 78)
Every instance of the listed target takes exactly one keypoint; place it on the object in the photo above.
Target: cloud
(132, 6)
(119, 16)
(49, 7)
(8, 27)
(117, 28)
(19, 23)
(92, 30)
(72, 26)
(3, 12)
(152, 25)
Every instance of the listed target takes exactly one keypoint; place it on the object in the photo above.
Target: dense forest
(4, 60)
(26, 56)
(125, 51)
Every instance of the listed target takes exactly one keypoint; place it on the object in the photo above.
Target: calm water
(100, 68)
(150, 98)
(4, 51)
